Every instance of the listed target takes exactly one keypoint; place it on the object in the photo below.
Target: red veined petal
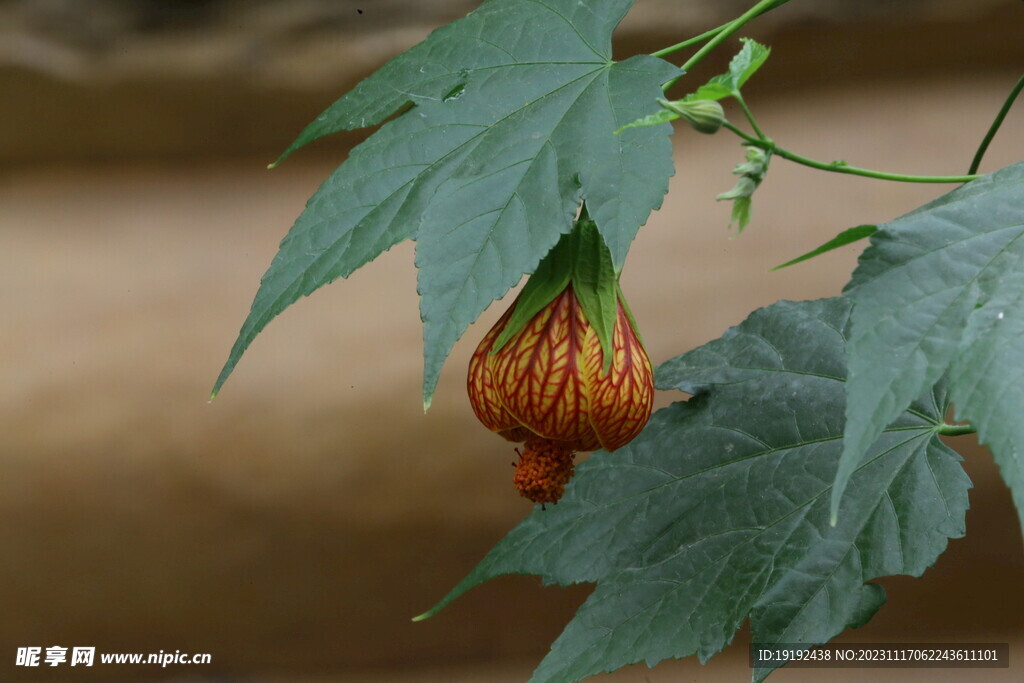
(482, 395)
(620, 401)
(537, 375)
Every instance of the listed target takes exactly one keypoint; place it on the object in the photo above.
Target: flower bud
(704, 116)
(548, 386)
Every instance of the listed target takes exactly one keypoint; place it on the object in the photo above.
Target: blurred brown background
(292, 527)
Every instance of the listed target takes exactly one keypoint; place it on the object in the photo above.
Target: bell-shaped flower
(563, 373)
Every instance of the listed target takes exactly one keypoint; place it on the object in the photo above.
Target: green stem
(955, 430)
(734, 129)
(689, 41)
(749, 115)
(983, 147)
(722, 33)
(733, 26)
(842, 167)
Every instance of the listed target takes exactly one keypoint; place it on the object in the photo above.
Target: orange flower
(547, 386)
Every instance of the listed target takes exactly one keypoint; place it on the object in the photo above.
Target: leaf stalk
(956, 430)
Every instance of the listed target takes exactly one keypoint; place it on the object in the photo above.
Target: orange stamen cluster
(543, 470)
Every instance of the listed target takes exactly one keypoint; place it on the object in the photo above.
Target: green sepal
(596, 285)
(582, 258)
(549, 280)
(659, 117)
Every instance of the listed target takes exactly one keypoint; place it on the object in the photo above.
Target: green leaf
(987, 379)
(715, 89)
(928, 292)
(746, 62)
(718, 512)
(514, 109)
(595, 284)
(847, 236)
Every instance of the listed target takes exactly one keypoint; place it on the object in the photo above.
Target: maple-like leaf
(509, 124)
